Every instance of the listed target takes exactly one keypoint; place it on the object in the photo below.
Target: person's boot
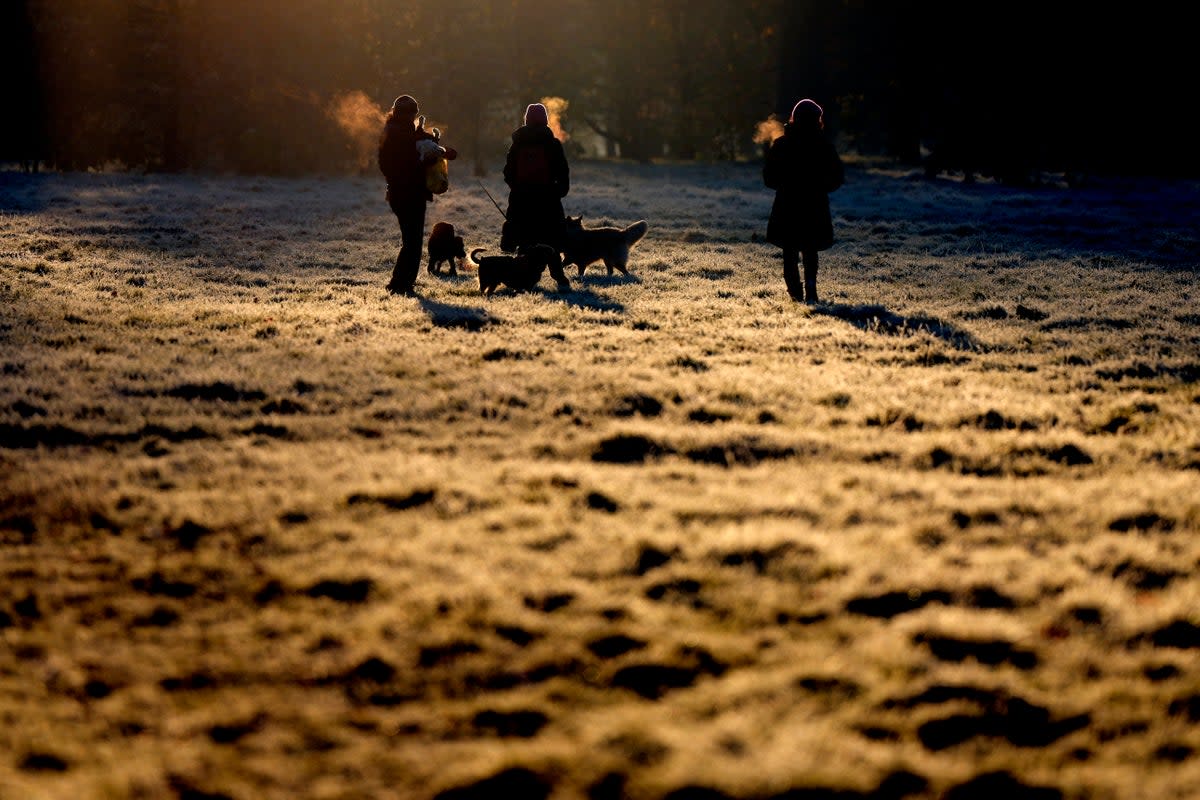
(560, 277)
(791, 277)
(397, 285)
(810, 284)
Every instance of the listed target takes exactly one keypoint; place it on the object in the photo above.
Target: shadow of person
(875, 318)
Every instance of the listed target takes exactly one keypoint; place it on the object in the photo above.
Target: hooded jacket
(802, 167)
(538, 177)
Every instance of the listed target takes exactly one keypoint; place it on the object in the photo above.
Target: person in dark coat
(538, 178)
(407, 193)
(803, 167)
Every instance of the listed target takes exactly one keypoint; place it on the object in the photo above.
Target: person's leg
(791, 274)
(396, 284)
(810, 276)
(412, 234)
(560, 277)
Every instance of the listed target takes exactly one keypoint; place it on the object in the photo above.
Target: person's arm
(509, 167)
(385, 156)
(562, 170)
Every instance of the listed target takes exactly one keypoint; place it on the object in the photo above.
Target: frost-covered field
(269, 532)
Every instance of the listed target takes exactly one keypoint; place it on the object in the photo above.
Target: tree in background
(470, 75)
(1008, 88)
(23, 136)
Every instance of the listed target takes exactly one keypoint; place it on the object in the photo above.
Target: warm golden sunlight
(496, 400)
(360, 119)
(768, 130)
(556, 108)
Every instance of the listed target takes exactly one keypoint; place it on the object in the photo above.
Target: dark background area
(1012, 90)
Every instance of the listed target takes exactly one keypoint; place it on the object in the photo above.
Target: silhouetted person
(538, 178)
(407, 193)
(803, 167)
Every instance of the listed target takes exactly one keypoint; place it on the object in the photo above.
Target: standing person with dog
(803, 167)
(538, 178)
(407, 192)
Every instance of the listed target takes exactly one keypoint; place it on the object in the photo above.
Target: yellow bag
(437, 176)
(433, 157)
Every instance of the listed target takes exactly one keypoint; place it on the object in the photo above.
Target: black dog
(522, 271)
(445, 247)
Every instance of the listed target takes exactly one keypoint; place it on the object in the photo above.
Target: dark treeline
(1009, 89)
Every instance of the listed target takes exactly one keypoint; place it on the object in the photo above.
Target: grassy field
(269, 532)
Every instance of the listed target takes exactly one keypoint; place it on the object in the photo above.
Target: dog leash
(497, 205)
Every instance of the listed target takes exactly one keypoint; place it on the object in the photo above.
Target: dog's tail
(472, 258)
(635, 232)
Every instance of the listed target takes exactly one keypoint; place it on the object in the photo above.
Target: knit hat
(535, 114)
(806, 108)
(405, 105)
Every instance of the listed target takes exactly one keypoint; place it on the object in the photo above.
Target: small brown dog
(583, 246)
(520, 272)
(445, 247)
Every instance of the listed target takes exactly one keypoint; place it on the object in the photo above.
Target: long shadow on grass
(877, 319)
(605, 280)
(445, 315)
(580, 298)
(586, 298)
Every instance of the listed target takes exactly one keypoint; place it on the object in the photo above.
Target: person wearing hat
(538, 178)
(803, 167)
(407, 192)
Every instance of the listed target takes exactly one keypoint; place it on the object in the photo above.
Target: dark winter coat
(802, 167)
(400, 164)
(538, 177)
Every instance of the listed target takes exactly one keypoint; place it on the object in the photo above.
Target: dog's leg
(617, 262)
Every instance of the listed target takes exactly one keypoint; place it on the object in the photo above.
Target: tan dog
(520, 272)
(445, 247)
(583, 246)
